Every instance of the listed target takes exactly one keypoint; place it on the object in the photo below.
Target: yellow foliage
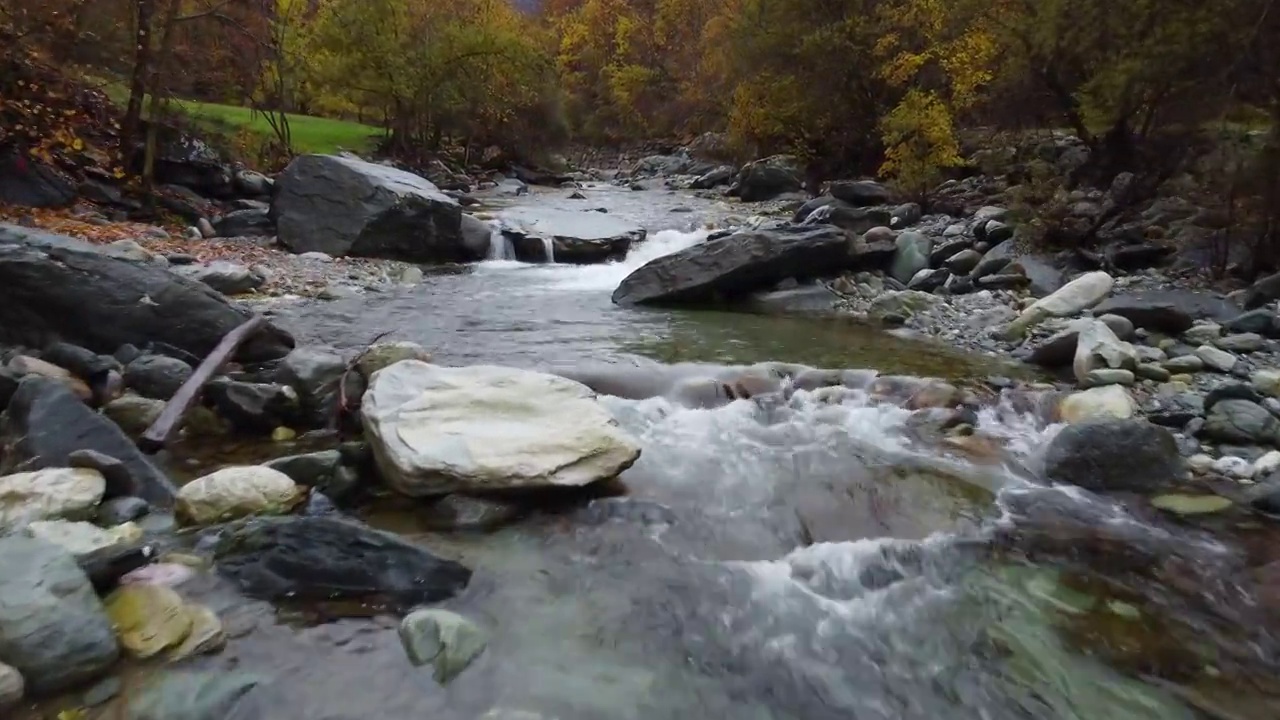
(920, 142)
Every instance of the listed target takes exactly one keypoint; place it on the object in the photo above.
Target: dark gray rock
(721, 175)
(106, 565)
(245, 223)
(254, 407)
(342, 206)
(736, 266)
(248, 183)
(47, 424)
(29, 183)
(325, 558)
(1263, 291)
(1045, 278)
(52, 627)
(82, 362)
(1232, 391)
(860, 193)
(856, 220)
(943, 252)
(994, 260)
(912, 255)
(120, 510)
(324, 470)
(190, 162)
(185, 203)
(315, 373)
(808, 208)
(1139, 256)
(1114, 455)
(1174, 411)
(9, 381)
(907, 214)
(766, 179)
(156, 376)
(996, 232)
(1260, 321)
(871, 255)
(225, 277)
(1241, 421)
(1003, 281)
(1167, 311)
(54, 288)
(963, 262)
(929, 280)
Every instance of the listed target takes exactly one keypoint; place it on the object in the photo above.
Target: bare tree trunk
(157, 95)
(144, 10)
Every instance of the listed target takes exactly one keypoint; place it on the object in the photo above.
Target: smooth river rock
(436, 430)
(445, 640)
(236, 492)
(49, 494)
(1076, 296)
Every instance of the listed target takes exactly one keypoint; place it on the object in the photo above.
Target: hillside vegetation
(882, 87)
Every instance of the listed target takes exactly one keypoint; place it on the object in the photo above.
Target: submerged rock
(436, 430)
(313, 559)
(1111, 455)
(52, 627)
(148, 619)
(190, 695)
(445, 640)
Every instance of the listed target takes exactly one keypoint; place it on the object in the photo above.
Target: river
(796, 563)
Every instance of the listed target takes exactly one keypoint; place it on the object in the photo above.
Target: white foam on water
(500, 247)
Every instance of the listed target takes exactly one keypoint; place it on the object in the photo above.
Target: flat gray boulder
(738, 265)
(53, 629)
(342, 206)
(580, 238)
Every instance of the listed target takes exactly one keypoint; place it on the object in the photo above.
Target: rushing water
(805, 561)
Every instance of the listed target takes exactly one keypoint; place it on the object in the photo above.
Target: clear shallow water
(805, 561)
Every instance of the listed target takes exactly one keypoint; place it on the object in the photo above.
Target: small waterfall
(500, 247)
(549, 249)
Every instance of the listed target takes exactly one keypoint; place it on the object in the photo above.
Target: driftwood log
(160, 432)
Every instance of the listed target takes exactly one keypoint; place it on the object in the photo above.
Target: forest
(878, 87)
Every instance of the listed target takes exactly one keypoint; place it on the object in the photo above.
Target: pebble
(1183, 364)
(1216, 358)
(1267, 464)
(1200, 463)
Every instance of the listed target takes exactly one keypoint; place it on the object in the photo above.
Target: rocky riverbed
(500, 492)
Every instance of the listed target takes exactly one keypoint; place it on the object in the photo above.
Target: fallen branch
(341, 408)
(157, 436)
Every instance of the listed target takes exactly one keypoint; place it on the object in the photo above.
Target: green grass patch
(309, 134)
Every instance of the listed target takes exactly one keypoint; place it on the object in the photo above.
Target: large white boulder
(50, 494)
(437, 430)
(1075, 297)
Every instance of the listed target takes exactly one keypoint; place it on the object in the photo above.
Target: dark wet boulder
(1241, 421)
(1263, 291)
(188, 161)
(47, 424)
(1261, 321)
(721, 175)
(156, 376)
(861, 193)
(579, 238)
(28, 183)
(733, 267)
(315, 559)
(245, 223)
(56, 288)
(254, 407)
(321, 379)
(1114, 455)
(341, 206)
(766, 178)
(1167, 311)
(856, 220)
